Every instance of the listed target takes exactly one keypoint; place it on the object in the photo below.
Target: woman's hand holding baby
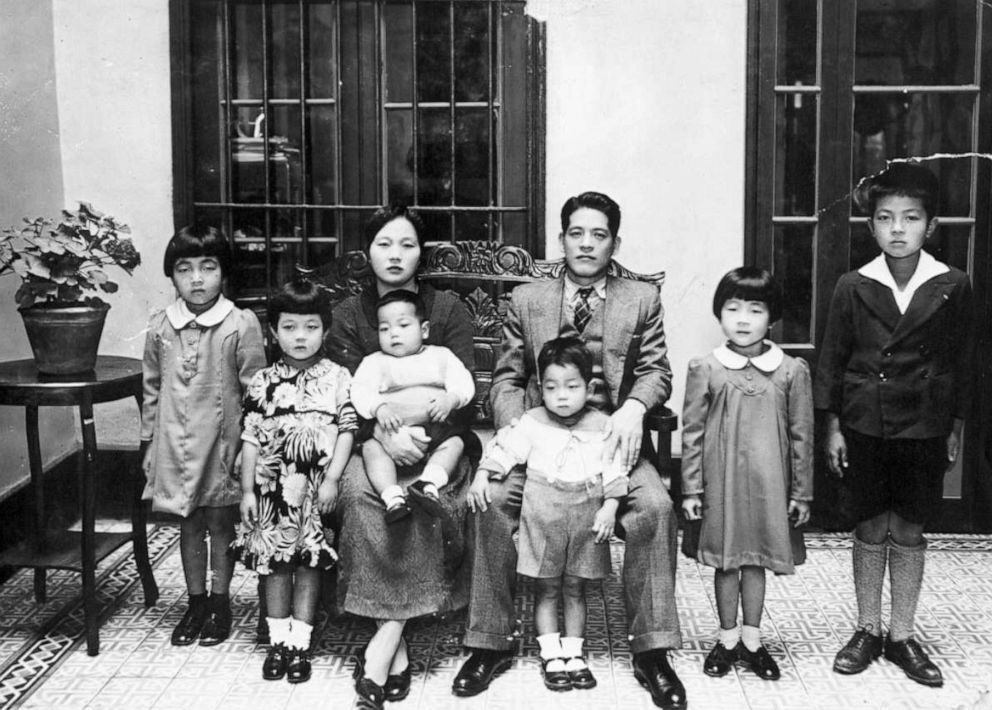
(388, 418)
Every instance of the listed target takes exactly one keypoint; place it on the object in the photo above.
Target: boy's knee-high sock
(869, 575)
(905, 580)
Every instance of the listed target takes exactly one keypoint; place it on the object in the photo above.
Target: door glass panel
(952, 245)
(284, 40)
(246, 50)
(399, 155)
(471, 40)
(923, 42)
(900, 125)
(795, 159)
(793, 268)
(398, 49)
(322, 160)
(433, 52)
(322, 52)
(472, 157)
(434, 157)
(797, 48)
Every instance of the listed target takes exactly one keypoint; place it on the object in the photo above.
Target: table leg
(87, 490)
(38, 485)
(139, 531)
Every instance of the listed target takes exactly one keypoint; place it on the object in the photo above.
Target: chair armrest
(663, 422)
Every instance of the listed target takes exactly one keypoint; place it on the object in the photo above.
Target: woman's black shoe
(298, 666)
(188, 628)
(217, 626)
(720, 660)
(371, 695)
(582, 679)
(274, 667)
(760, 662)
(555, 680)
(398, 685)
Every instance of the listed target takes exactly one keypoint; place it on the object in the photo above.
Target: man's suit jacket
(893, 375)
(635, 357)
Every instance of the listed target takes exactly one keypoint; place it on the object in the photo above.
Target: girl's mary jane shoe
(274, 667)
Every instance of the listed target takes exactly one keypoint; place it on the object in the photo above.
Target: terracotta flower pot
(65, 339)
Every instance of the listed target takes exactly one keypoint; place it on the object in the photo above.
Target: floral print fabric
(294, 417)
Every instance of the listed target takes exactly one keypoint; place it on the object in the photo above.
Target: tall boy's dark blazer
(635, 357)
(893, 375)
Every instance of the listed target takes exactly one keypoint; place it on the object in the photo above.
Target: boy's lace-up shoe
(863, 648)
(914, 662)
(720, 660)
(188, 628)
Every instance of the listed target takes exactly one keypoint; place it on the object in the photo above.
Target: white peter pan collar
(926, 269)
(180, 315)
(767, 361)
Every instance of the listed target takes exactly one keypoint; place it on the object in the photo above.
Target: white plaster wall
(646, 102)
(112, 69)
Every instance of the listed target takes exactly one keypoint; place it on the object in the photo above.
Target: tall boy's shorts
(905, 476)
(556, 535)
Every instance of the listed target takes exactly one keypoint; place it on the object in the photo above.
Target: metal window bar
(489, 121)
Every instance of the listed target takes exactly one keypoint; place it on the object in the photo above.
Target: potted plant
(59, 264)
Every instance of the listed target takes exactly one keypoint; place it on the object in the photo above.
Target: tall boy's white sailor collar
(767, 361)
(180, 315)
(926, 269)
(572, 288)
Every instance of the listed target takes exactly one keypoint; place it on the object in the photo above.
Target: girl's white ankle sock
(390, 494)
(299, 634)
(435, 475)
(571, 649)
(751, 637)
(551, 651)
(278, 630)
(729, 637)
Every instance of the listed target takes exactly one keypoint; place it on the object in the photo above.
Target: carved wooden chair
(483, 273)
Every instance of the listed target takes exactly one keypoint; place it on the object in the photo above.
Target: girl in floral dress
(298, 431)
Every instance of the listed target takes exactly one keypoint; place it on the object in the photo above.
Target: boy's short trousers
(556, 535)
(905, 476)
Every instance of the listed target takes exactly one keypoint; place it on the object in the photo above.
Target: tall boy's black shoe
(188, 628)
(858, 653)
(651, 669)
(914, 662)
(478, 671)
(217, 627)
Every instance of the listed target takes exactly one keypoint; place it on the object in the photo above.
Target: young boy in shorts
(894, 380)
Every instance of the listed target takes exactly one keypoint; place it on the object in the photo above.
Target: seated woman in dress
(412, 567)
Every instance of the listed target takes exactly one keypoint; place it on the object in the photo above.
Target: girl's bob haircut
(749, 283)
(201, 240)
(301, 297)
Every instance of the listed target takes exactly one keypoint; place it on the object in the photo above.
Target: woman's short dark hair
(749, 283)
(386, 214)
(301, 297)
(401, 295)
(904, 179)
(594, 201)
(193, 241)
(566, 351)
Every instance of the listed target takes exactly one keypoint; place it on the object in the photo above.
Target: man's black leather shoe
(858, 653)
(651, 669)
(914, 662)
(479, 670)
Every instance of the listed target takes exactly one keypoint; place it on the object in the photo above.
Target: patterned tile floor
(43, 662)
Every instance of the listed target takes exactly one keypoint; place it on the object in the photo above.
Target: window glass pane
(207, 109)
(321, 253)
(321, 51)
(248, 155)
(795, 155)
(434, 157)
(797, 30)
(863, 245)
(286, 181)
(322, 159)
(513, 229)
(398, 48)
(353, 229)
(246, 50)
(399, 155)
(918, 42)
(284, 45)
(433, 51)
(472, 157)
(471, 225)
(951, 244)
(793, 268)
(437, 226)
(323, 224)
(902, 125)
(471, 51)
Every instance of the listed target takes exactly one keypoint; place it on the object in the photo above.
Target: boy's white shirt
(180, 315)
(926, 269)
(767, 361)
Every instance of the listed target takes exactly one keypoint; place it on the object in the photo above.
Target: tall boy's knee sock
(869, 575)
(905, 579)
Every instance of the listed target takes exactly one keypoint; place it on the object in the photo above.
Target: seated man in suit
(621, 322)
